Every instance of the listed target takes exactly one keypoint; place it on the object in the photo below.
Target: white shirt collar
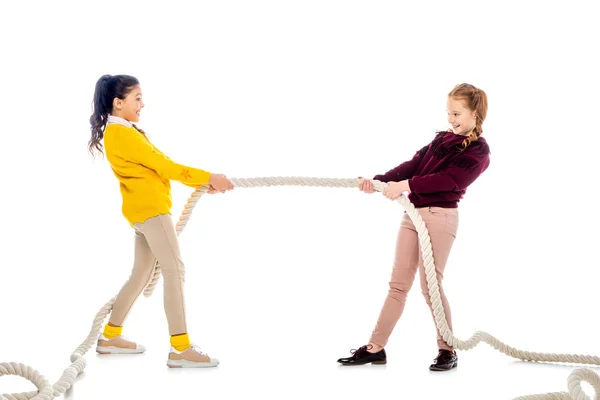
(112, 119)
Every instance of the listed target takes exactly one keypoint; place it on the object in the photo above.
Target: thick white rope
(48, 392)
(45, 390)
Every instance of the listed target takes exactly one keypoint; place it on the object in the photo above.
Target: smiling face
(460, 117)
(130, 107)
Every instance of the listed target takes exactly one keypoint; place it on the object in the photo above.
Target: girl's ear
(117, 103)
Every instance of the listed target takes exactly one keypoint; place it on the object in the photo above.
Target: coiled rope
(48, 392)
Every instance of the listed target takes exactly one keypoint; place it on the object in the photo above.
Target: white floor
(280, 306)
(290, 362)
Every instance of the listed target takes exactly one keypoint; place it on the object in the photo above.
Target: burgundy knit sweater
(439, 174)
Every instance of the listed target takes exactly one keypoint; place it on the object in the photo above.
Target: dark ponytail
(108, 87)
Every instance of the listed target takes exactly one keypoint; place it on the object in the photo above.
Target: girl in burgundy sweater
(436, 178)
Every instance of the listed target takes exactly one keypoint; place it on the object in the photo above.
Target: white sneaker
(118, 345)
(192, 357)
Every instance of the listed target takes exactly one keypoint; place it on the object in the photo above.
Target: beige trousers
(442, 224)
(155, 239)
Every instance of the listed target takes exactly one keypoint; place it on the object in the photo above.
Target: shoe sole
(191, 364)
(372, 362)
(444, 369)
(118, 350)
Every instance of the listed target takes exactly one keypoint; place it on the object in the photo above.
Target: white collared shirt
(113, 119)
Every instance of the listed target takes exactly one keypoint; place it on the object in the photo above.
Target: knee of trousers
(136, 285)
(399, 288)
(174, 273)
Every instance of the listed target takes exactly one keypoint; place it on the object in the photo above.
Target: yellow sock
(180, 342)
(112, 331)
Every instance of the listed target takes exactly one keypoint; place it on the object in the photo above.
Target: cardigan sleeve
(132, 146)
(192, 185)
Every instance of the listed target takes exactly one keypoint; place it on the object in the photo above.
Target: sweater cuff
(382, 178)
(195, 176)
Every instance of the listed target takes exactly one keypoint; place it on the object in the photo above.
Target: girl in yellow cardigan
(144, 175)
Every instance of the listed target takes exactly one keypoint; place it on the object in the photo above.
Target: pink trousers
(442, 224)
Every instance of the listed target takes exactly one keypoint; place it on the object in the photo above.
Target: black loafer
(446, 360)
(361, 356)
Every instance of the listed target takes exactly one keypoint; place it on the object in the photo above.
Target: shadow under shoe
(361, 356)
(445, 361)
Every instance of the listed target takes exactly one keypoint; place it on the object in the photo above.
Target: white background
(283, 281)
